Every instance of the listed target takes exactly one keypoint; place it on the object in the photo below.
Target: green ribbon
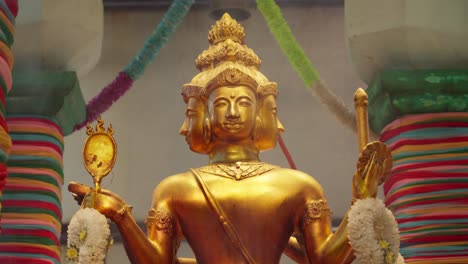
(288, 43)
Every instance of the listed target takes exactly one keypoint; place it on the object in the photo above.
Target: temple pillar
(42, 108)
(423, 117)
(412, 56)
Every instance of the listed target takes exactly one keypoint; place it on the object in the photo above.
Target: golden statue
(238, 209)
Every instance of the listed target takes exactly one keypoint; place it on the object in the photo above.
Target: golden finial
(227, 44)
(226, 28)
(360, 97)
(99, 152)
(99, 128)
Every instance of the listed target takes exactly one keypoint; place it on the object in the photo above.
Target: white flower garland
(373, 233)
(88, 237)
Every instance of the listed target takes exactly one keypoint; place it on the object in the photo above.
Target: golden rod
(360, 105)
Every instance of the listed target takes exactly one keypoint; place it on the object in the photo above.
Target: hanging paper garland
(124, 80)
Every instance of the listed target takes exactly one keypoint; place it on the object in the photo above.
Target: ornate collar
(239, 170)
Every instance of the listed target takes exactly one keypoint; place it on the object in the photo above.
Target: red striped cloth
(6, 64)
(32, 211)
(428, 188)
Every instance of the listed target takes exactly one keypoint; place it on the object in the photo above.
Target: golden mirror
(99, 152)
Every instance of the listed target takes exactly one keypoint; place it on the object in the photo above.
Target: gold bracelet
(122, 211)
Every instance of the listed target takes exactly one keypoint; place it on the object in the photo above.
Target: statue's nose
(280, 126)
(183, 129)
(232, 112)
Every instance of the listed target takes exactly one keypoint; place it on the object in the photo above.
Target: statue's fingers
(369, 168)
(78, 189)
(78, 198)
(380, 175)
(374, 174)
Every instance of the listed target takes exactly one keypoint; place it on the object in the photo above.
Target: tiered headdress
(227, 62)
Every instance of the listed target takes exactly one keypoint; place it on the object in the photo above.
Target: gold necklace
(239, 170)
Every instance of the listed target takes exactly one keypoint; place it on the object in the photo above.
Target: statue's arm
(295, 251)
(158, 246)
(325, 247)
(321, 245)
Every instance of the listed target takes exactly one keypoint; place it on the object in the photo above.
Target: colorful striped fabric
(32, 211)
(8, 12)
(428, 188)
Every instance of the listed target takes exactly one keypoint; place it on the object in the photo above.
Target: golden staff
(360, 104)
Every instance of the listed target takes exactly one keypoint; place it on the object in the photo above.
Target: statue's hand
(373, 167)
(106, 202)
(78, 191)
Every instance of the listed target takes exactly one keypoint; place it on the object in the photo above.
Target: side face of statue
(193, 125)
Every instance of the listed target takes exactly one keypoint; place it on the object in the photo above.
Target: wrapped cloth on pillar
(423, 117)
(32, 197)
(8, 12)
(42, 108)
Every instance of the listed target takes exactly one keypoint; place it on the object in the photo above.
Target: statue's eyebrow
(219, 98)
(244, 97)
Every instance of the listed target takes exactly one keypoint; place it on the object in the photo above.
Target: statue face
(192, 128)
(232, 112)
(267, 133)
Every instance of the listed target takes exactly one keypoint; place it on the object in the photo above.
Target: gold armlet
(160, 219)
(122, 211)
(315, 210)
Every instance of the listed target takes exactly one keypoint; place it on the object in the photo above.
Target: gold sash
(228, 228)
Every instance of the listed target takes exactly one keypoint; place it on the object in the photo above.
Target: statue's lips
(233, 125)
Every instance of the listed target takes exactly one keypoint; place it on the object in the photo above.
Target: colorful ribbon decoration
(288, 43)
(124, 80)
(427, 190)
(303, 66)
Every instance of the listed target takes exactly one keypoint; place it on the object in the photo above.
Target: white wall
(147, 119)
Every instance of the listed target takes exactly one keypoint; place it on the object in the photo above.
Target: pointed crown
(226, 28)
(227, 62)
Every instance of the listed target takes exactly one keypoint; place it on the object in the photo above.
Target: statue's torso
(265, 210)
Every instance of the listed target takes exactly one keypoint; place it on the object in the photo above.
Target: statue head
(193, 126)
(230, 99)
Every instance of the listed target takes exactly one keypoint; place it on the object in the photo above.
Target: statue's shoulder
(302, 181)
(295, 174)
(175, 185)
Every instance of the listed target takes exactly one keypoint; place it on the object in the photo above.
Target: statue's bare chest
(254, 201)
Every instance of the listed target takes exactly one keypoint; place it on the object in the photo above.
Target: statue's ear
(257, 133)
(207, 131)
